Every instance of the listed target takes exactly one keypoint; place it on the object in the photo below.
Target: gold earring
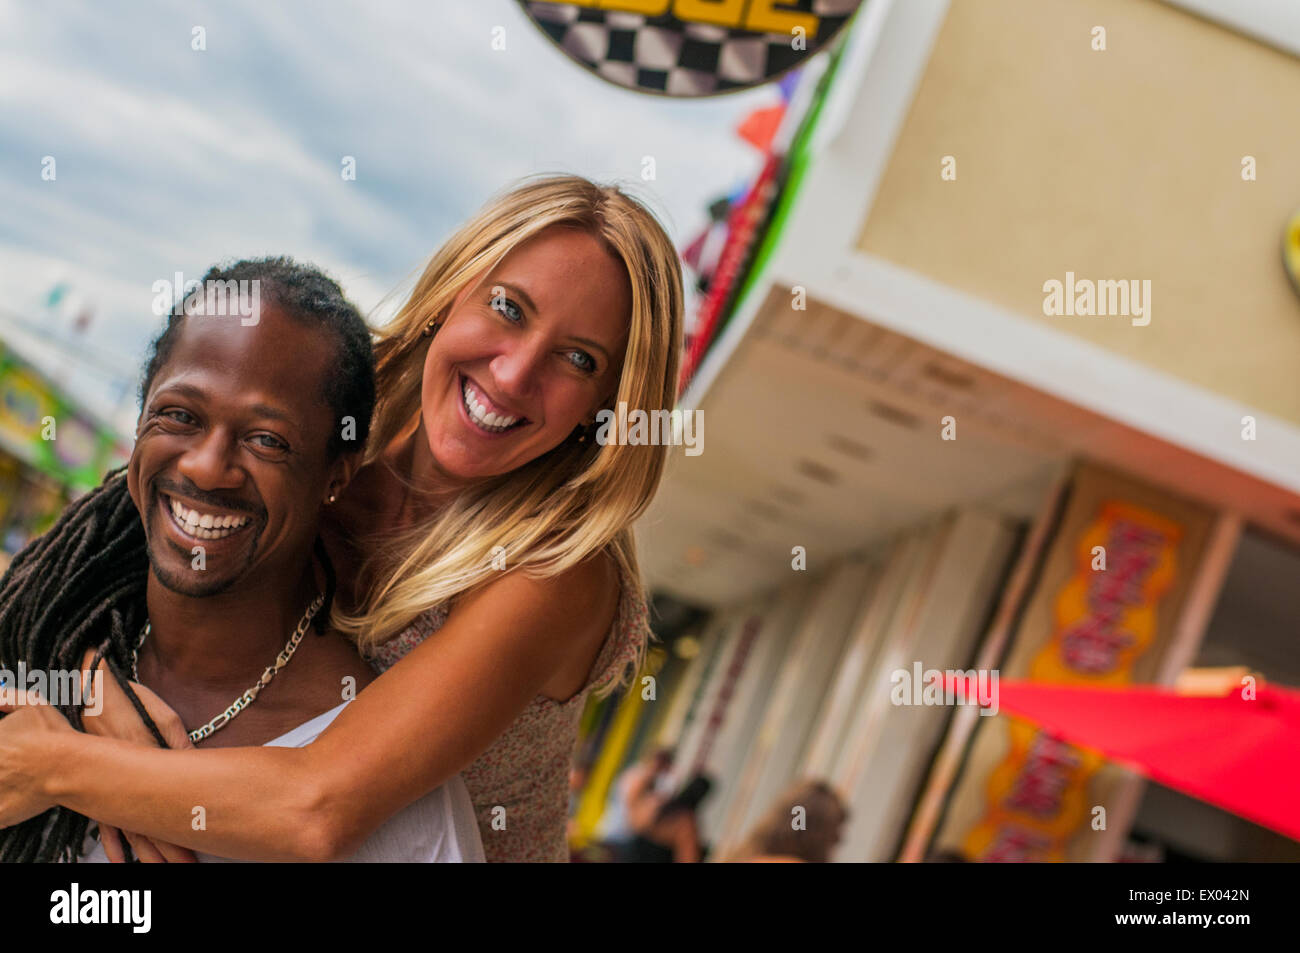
(431, 328)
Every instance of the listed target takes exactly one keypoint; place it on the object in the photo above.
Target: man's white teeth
(480, 415)
(206, 525)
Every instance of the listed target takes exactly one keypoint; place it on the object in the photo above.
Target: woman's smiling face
(527, 354)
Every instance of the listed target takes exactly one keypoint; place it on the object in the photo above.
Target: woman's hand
(112, 715)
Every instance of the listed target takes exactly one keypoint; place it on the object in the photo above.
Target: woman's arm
(415, 726)
(113, 716)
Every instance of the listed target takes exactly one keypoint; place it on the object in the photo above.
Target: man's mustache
(202, 497)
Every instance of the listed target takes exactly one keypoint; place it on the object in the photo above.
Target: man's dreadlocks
(78, 587)
(82, 585)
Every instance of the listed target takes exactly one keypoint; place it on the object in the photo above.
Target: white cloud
(170, 159)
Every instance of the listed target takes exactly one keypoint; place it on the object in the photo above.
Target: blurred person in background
(802, 827)
(661, 824)
(647, 775)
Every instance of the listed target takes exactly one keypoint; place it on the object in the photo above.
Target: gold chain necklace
(246, 699)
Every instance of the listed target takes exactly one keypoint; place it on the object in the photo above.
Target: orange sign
(1104, 618)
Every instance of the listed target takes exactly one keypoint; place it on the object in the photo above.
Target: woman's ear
(605, 403)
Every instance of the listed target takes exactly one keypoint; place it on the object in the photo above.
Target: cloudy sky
(168, 159)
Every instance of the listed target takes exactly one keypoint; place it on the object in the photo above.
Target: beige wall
(1113, 165)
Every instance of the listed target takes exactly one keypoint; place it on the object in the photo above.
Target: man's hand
(114, 716)
(117, 718)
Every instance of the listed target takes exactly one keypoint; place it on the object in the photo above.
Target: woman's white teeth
(206, 525)
(480, 414)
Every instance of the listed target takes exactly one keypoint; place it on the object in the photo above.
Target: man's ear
(341, 473)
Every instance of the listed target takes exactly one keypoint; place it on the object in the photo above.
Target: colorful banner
(743, 229)
(43, 429)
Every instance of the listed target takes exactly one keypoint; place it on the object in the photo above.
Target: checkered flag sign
(690, 47)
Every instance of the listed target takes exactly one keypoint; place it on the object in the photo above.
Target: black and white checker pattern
(664, 54)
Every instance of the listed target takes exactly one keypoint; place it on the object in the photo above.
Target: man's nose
(209, 464)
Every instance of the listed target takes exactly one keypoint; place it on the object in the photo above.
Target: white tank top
(439, 828)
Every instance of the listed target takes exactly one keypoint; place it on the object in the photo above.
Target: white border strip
(884, 61)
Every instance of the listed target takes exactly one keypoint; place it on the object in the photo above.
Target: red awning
(1241, 755)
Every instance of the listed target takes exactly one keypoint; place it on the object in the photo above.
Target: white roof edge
(1275, 22)
(1057, 363)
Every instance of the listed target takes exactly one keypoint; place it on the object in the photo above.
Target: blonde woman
(483, 551)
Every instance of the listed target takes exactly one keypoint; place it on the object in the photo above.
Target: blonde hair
(579, 498)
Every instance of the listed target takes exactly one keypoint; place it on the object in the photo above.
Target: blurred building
(916, 441)
(52, 449)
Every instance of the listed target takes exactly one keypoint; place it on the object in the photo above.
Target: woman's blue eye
(582, 360)
(508, 309)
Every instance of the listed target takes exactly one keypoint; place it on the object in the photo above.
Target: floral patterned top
(520, 785)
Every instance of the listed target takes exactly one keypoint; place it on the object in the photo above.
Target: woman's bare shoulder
(578, 607)
(594, 590)
(592, 584)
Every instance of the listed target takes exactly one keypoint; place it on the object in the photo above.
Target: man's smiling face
(231, 452)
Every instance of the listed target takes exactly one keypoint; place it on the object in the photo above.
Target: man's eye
(178, 415)
(269, 441)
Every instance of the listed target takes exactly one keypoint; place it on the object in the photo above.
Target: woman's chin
(471, 457)
(463, 464)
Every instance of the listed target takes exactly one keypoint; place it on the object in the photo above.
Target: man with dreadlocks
(190, 571)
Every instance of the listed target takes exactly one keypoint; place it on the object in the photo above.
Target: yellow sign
(1291, 250)
(761, 16)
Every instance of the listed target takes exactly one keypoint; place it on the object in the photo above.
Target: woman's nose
(516, 370)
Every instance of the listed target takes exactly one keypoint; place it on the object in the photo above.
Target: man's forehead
(270, 374)
(277, 347)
